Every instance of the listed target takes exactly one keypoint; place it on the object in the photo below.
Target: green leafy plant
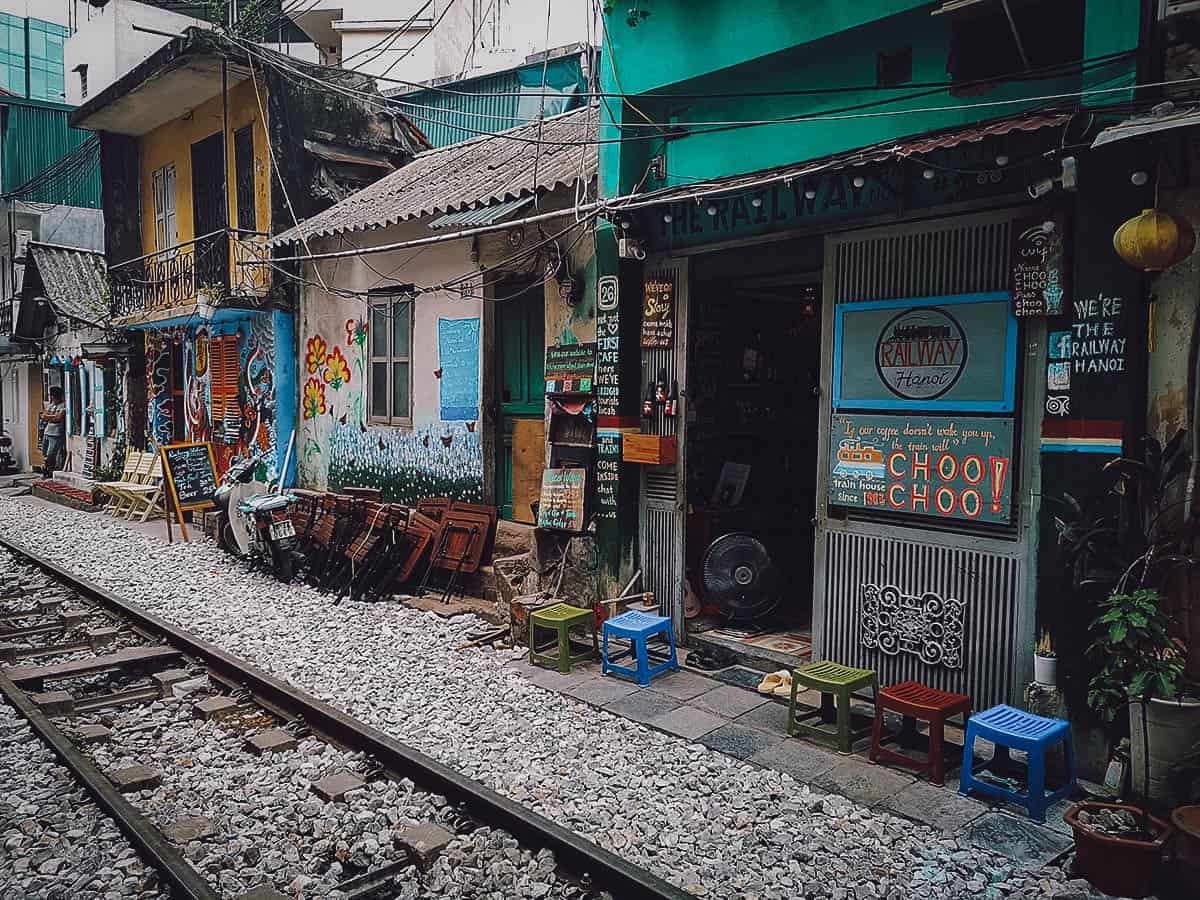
(1137, 656)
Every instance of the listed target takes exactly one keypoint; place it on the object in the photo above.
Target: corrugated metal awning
(484, 215)
(1166, 118)
(915, 146)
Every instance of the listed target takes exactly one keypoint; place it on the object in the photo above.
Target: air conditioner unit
(1170, 9)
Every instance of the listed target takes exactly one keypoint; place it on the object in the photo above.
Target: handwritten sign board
(458, 360)
(945, 468)
(190, 473)
(570, 368)
(954, 353)
(563, 492)
(658, 311)
(1039, 266)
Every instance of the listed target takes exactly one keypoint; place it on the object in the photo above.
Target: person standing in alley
(54, 415)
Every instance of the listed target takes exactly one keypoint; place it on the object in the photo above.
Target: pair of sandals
(777, 683)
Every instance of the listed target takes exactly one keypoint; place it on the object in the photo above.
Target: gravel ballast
(55, 843)
(711, 824)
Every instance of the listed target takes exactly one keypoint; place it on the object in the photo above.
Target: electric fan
(739, 577)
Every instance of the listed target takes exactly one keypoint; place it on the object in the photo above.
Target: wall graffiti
(426, 462)
(158, 388)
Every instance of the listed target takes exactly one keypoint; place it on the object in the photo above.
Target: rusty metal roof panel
(75, 281)
(476, 173)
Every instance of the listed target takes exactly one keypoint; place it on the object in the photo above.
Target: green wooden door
(521, 353)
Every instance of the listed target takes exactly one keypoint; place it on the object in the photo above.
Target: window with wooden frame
(166, 223)
(390, 375)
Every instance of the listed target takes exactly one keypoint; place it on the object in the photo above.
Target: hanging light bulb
(810, 194)
(1139, 178)
(1002, 160)
(756, 202)
(929, 174)
(712, 210)
(667, 217)
(859, 181)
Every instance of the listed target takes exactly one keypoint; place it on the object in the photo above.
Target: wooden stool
(831, 679)
(561, 618)
(915, 701)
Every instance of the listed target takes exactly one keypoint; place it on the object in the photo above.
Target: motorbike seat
(266, 503)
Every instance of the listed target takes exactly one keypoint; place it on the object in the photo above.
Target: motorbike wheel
(283, 563)
(225, 539)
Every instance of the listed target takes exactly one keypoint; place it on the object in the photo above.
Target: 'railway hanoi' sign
(929, 353)
(959, 468)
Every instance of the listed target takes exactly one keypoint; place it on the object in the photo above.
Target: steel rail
(154, 848)
(606, 870)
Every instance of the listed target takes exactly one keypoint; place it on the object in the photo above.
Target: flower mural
(356, 332)
(317, 354)
(314, 398)
(337, 370)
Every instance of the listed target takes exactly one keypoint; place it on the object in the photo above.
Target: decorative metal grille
(925, 625)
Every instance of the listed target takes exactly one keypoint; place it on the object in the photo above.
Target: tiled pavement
(753, 728)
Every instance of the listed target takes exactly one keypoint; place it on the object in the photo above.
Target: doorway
(750, 458)
(210, 212)
(520, 358)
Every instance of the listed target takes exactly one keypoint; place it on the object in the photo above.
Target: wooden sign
(658, 311)
(1039, 266)
(944, 468)
(563, 492)
(191, 474)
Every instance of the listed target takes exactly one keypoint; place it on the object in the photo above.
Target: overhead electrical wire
(432, 28)
(845, 113)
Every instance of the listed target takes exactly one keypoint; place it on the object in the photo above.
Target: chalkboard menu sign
(570, 368)
(561, 506)
(190, 473)
(658, 311)
(1039, 266)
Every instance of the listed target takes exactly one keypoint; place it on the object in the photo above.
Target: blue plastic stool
(1007, 727)
(637, 628)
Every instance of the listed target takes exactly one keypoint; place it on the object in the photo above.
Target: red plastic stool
(914, 701)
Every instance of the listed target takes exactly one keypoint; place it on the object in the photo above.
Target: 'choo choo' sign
(947, 468)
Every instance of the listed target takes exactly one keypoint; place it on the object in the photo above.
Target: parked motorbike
(253, 522)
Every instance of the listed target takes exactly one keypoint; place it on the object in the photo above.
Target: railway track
(228, 781)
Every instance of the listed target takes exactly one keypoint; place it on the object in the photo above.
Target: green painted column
(616, 412)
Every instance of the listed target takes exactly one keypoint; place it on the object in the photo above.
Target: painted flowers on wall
(315, 358)
(337, 370)
(314, 398)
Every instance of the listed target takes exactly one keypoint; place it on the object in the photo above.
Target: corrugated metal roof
(484, 215)
(901, 148)
(451, 112)
(475, 173)
(36, 138)
(74, 281)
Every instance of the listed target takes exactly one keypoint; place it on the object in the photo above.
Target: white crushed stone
(711, 824)
(55, 843)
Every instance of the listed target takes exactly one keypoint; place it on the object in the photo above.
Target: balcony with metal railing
(194, 278)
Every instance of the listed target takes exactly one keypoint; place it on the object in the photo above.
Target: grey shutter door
(992, 575)
(662, 506)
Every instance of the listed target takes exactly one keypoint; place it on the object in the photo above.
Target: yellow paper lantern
(1153, 240)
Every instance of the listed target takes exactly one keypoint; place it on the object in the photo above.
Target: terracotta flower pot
(1117, 865)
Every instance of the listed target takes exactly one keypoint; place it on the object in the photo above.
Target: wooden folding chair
(148, 497)
(107, 488)
(121, 492)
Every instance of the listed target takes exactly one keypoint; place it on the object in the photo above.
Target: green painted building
(834, 196)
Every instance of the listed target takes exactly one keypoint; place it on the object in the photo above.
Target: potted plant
(1045, 661)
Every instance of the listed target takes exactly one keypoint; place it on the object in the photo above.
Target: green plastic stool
(561, 618)
(831, 679)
